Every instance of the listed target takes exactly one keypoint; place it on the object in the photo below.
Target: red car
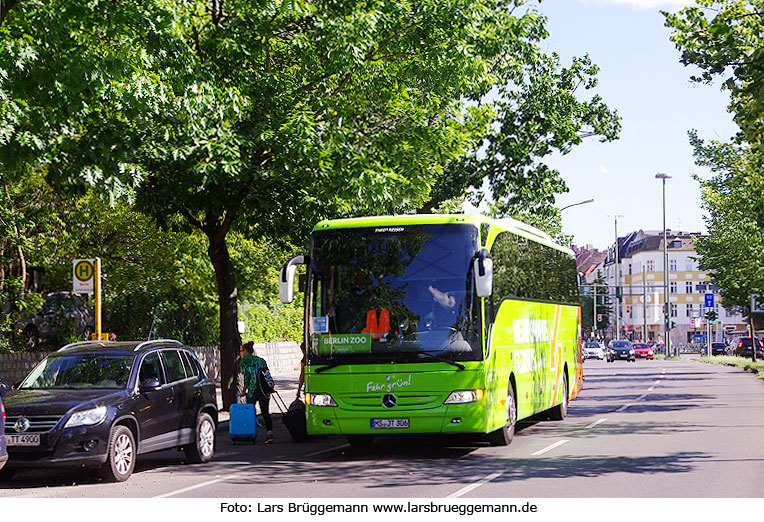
(643, 351)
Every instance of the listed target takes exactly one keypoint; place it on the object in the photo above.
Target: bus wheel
(360, 442)
(561, 410)
(503, 436)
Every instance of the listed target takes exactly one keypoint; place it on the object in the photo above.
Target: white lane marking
(651, 388)
(623, 407)
(641, 396)
(550, 448)
(596, 423)
(467, 489)
(197, 486)
(327, 450)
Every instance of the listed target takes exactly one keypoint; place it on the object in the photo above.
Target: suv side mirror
(483, 270)
(4, 388)
(149, 385)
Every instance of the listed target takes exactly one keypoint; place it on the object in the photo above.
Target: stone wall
(281, 357)
(15, 366)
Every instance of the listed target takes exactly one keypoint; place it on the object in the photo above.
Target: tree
(725, 38)
(261, 117)
(732, 197)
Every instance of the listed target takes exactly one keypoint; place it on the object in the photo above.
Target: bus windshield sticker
(319, 325)
(344, 344)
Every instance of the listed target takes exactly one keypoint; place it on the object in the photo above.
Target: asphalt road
(671, 429)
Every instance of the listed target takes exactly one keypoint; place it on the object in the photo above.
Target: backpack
(264, 379)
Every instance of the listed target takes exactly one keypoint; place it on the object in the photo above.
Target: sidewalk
(286, 385)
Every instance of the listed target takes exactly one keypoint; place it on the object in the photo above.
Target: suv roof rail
(81, 343)
(146, 343)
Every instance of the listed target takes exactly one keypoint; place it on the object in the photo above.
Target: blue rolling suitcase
(242, 425)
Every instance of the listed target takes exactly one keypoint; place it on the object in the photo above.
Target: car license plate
(389, 423)
(27, 439)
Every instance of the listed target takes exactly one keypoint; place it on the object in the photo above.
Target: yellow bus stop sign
(83, 276)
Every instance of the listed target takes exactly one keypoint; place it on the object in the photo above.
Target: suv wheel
(203, 447)
(120, 457)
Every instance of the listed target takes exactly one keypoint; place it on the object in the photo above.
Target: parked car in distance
(101, 404)
(592, 350)
(741, 347)
(60, 313)
(718, 348)
(3, 445)
(643, 351)
(620, 349)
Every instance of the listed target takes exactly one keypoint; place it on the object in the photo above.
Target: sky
(641, 77)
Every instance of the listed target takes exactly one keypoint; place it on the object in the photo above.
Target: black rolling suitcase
(294, 419)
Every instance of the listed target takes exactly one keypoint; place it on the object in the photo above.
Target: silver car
(592, 350)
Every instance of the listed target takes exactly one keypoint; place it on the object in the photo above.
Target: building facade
(640, 274)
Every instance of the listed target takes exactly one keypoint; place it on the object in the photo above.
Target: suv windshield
(80, 371)
(391, 293)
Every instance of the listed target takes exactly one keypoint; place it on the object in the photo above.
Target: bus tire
(561, 410)
(503, 436)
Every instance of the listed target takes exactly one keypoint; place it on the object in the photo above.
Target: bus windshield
(394, 293)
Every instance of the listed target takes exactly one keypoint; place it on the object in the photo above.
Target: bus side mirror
(286, 279)
(483, 270)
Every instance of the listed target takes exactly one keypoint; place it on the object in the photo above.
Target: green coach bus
(436, 324)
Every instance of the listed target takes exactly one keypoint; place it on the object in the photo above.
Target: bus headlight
(319, 399)
(464, 396)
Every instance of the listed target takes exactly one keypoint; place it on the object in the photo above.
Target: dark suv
(620, 349)
(62, 314)
(741, 347)
(100, 404)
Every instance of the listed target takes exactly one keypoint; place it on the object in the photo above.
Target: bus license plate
(389, 423)
(28, 439)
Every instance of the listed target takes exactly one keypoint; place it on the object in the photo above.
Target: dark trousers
(265, 406)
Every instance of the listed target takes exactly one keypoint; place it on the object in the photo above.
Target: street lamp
(617, 282)
(666, 300)
(579, 203)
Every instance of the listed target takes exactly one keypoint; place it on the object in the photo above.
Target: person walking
(258, 384)
(303, 362)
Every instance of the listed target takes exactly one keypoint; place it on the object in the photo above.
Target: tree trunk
(5, 6)
(229, 310)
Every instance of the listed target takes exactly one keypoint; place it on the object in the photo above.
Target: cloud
(641, 4)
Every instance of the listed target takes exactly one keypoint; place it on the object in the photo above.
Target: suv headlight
(87, 417)
(319, 399)
(464, 396)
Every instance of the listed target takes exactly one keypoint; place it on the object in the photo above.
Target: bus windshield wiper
(442, 359)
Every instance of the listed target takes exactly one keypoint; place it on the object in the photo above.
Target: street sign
(83, 276)
(709, 300)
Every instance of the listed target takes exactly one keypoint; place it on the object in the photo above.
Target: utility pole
(644, 303)
(753, 332)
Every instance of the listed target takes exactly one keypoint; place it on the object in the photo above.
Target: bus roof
(497, 225)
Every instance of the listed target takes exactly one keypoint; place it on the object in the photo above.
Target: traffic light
(711, 316)
(628, 309)
(599, 318)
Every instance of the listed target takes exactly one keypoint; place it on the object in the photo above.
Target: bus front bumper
(452, 418)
